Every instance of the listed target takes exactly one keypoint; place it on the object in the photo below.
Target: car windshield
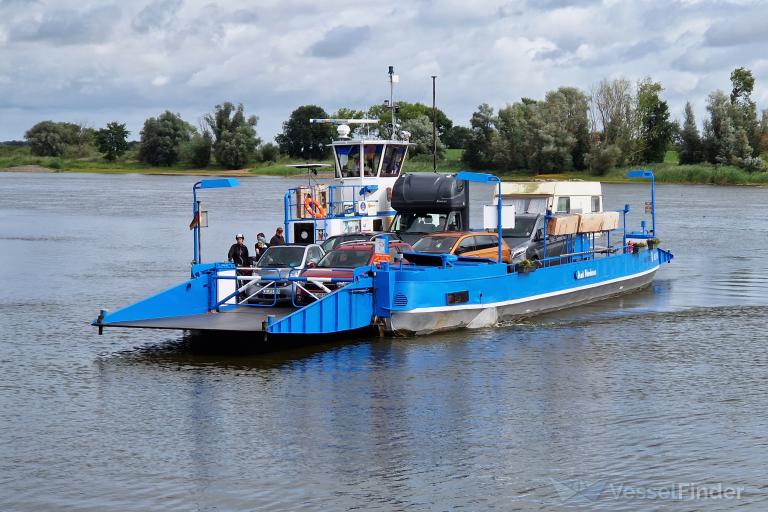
(418, 222)
(335, 241)
(346, 258)
(282, 257)
(523, 228)
(437, 244)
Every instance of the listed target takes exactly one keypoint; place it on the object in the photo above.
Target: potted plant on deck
(526, 267)
(637, 246)
(653, 242)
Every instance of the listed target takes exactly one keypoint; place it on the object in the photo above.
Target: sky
(96, 61)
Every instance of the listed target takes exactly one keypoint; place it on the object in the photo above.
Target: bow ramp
(207, 303)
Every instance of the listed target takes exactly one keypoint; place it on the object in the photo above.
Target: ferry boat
(597, 256)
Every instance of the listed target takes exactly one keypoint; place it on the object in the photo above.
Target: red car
(340, 263)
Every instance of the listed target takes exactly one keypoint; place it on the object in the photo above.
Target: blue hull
(494, 294)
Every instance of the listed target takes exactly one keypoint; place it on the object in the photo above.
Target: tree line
(226, 134)
(618, 123)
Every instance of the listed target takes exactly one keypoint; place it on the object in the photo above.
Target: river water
(658, 400)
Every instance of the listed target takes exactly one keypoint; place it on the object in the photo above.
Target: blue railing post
(287, 215)
(653, 206)
(499, 207)
(196, 230)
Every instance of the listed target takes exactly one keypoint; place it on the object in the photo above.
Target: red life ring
(314, 208)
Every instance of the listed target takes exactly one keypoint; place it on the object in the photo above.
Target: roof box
(429, 193)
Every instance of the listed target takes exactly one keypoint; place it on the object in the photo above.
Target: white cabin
(556, 196)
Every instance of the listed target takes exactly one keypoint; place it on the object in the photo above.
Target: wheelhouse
(369, 158)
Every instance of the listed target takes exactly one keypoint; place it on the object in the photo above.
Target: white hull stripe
(526, 299)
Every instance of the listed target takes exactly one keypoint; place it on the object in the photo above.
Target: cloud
(737, 31)
(68, 26)
(339, 41)
(156, 15)
(86, 60)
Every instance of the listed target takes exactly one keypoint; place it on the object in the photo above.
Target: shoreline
(613, 177)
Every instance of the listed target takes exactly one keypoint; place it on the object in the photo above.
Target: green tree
(48, 138)
(653, 118)
(421, 137)
(111, 141)
(198, 150)
(690, 141)
(162, 138)
(744, 113)
(234, 135)
(269, 152)
(406, 111)
(479, 151)
(300, 139)
(457, 137)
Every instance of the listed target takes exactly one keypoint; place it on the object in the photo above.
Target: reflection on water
(667, 385)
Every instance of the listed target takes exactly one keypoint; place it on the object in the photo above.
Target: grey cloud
(737, 31)
(548, 5)
(640, 49)
(244, 16)
(156, 15)
(339, 41)
(68, 26)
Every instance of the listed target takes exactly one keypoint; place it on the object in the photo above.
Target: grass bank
(666, 172)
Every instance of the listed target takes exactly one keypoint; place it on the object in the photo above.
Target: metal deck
(246, 319)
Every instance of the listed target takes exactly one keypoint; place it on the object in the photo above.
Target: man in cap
(238, 254)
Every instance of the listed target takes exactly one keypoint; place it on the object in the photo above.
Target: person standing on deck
(278, 239)
(238, 254)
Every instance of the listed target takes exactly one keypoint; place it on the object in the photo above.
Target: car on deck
(526, 239)
(475, 244)
(281, 261)
(340, 263)
(334, 241)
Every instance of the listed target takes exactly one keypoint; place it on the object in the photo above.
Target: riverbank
(666, 172)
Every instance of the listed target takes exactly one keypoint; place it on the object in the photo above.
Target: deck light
(195, 226)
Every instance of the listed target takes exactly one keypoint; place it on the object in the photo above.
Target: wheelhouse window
(393, 159)
(372, 159)
(348, 160)
(564, 204)
(595, 203)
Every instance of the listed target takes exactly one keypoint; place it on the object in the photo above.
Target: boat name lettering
(583, 274)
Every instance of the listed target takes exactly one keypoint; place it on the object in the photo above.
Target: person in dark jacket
(278, 239)
(238, 254)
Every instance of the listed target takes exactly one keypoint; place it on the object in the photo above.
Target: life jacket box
(563, 225)
(318, 192)
(610, 221)
(590, 222)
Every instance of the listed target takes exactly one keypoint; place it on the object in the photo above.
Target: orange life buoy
(314, 208)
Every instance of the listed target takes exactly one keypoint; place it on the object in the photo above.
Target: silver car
(280, 261)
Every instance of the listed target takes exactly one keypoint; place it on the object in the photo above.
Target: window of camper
(563, 204)
(348, 158)
(595, 203)
(372, 159)
(393, 160)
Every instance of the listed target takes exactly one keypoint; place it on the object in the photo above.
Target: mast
(434, 128)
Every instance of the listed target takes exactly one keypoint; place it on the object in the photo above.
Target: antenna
(393, 79)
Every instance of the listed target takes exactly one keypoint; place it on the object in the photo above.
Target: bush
(198, 150)
(603, 159)
(269, 152)
(50, 139)
(162, 137)
(753, 164)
